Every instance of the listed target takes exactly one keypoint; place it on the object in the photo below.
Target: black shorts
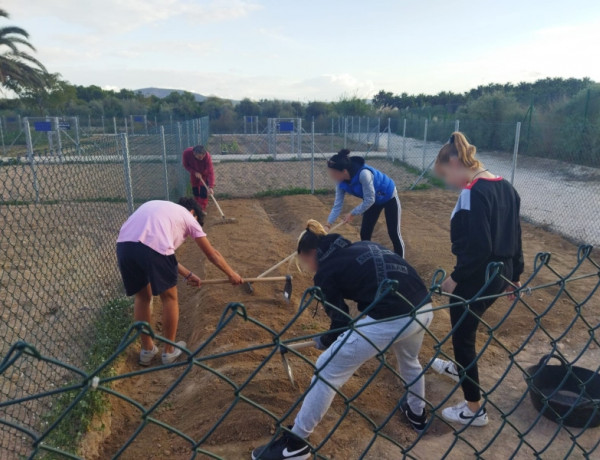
(141, 265)
(200, 192)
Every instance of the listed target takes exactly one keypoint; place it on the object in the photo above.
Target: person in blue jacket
(377, 191)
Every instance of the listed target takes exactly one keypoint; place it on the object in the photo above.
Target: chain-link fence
(64, 195)
(559, 184)
(570, 396)
(63, 199)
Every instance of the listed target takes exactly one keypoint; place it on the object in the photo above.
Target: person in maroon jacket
(198, 162)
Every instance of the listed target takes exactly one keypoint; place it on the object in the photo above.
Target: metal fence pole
(50, 141)
(115, 125)
(164, 158)
(77, 139)
(389, 139)
(31, 159)
(345, 132)
(515, 152)
(126, 127)
(179, 136)
(89, 124)
(103, 127)
(378, 135)
(312, 157)
(404, 141)
(2, 137)
(456, 126)
(58, 139)
(146, 123)
(425, 142)
(299, 138)
(332, 133)
(127, 172)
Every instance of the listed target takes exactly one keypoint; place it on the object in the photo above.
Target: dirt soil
(265, 232)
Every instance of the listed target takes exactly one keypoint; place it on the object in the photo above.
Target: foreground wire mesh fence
(516, 429)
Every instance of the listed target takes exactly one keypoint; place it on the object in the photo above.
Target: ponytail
(311, 237)
(458, 146)
(340, 161)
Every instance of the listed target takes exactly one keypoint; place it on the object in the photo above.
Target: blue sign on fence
(11, 119)
(43, 126)
(249, 119)
(138, 119)
(286, 126)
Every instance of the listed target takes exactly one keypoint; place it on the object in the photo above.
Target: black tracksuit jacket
(485, 227)
(355, 271)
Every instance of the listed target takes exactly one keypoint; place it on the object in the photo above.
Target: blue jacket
(384, 186)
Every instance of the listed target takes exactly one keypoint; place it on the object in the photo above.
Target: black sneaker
(418, 422)
(287, 447)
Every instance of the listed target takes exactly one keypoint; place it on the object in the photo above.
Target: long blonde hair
(458, 146)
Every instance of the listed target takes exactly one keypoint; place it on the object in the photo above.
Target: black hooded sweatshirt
(355, 271)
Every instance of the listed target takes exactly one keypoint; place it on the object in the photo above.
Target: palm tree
(18, 69)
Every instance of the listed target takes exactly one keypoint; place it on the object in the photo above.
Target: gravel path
(563, 196)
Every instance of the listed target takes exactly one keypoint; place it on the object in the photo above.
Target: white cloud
(121, 16)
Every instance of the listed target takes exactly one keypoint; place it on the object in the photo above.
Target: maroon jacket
(204, 167)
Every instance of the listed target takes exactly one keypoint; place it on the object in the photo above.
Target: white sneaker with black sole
(447, 368)
(287, 447)
(168, 358)
(146, 356)
(462, 414)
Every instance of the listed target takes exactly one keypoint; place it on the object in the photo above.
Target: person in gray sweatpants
(355, 271)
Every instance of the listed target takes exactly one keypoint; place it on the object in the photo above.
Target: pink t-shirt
(160, 225)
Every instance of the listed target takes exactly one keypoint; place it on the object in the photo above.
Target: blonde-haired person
(485, 228)
(355, 271)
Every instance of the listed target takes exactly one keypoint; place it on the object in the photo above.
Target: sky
(311, 50)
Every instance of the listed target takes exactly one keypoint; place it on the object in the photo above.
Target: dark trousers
(201, 196)
(393, 214)
(464, 337)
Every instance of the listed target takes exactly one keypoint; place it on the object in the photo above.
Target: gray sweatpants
(337, 364)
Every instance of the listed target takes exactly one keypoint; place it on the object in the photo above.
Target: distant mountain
(163, 92)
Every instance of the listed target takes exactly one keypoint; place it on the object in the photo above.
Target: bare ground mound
(265, 233)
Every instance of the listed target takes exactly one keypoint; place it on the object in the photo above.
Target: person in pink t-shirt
(146, 254)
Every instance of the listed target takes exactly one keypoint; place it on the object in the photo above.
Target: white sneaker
(168, 358)
(146, 356)
(462, 414)
(447, 368)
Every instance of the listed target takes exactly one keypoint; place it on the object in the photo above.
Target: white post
(456, 125)
(146, 123)
(126, 127)
(404, 141)
(30, 158)
(127, 172)
(115, 125)
(164, 158)
(515, 152)
(425, 142)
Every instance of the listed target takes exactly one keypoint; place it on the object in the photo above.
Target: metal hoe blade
(287, 367)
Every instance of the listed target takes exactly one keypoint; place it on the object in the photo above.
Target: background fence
(66, 190)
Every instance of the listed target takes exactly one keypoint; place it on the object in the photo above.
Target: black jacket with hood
(355, 271)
